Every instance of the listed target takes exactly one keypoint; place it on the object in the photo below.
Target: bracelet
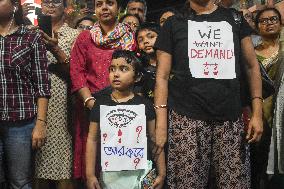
(88, 99)
(42, 120)
(257, 97)
(160, 106)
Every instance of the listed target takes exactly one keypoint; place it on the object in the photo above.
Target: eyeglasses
(248, 16)
(83, 27)
(56, 3)
(272, 19)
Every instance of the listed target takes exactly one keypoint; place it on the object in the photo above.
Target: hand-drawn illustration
(211, 50)
(124, 141)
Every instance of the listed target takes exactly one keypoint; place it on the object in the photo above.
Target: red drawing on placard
(104, 136)
(136, 161)
(119, 133)
(106, 164)
(206, 69)
(138, 130)
(215, 72)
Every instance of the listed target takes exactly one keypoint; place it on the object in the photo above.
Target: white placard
(123, 137)
(211, 50)
(32, 16)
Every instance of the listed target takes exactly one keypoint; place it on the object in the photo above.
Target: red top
(89, 64)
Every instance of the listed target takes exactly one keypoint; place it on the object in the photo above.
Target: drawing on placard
(121, 117)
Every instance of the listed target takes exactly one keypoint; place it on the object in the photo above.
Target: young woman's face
(121, 74)
(53, 8)
(146, 40)
(269, 24)
(6, 9)
(106, 10)
(132, 21)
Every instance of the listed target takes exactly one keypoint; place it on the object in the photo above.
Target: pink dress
(88, 68)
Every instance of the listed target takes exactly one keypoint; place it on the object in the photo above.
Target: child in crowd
(146, 37)
(133, 20)
(125, 70)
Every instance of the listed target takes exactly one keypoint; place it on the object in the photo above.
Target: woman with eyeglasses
(268, 24)
(90, 59)
(53, 162)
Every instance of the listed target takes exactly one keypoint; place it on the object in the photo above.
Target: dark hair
(174, 11)
(139, 1)
(152, 26)
(137, 60)
(129, 15)
(18, 16)
(117, 1)
(264, 10)
(84, 18)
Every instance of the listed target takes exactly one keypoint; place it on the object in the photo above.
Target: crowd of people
(210, 78)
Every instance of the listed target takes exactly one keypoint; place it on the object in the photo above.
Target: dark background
(155, 7)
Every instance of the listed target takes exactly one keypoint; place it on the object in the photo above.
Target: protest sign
(123, 137)
(211, 50)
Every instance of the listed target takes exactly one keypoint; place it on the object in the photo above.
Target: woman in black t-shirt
(201, 52)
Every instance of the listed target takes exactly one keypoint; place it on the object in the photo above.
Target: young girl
(146, 38)
(125, 70)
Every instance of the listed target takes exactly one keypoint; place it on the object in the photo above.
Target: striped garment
(23, 74)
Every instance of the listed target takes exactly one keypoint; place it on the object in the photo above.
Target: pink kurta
(88, 68)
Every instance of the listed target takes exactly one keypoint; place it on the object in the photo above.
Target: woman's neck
(57, 24)
(270, 42)
(6, 27)
(122, 96)
(203, 9)
(107, 27)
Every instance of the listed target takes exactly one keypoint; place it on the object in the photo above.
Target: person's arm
(61, 57)
(158, 158)
(78, 70)
(86, 96)
(91, 154)
(39, 131)
(161, 97)
(40, 81)
(255, 127)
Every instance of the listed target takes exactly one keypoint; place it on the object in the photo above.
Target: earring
(15, 8)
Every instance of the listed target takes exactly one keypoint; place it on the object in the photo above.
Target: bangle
(42, 120)
(160, 106)
(87, 100)
(257, 97)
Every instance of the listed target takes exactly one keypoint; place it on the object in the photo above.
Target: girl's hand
(159, 182)
(93, 183)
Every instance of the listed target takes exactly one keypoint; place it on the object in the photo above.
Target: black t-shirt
(148, 83)
(201, 98)
(105, 99)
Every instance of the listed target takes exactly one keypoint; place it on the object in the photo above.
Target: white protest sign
(32, 16)
(211, 50)
(123, 137)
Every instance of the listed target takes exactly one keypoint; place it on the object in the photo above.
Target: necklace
(115, 99)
